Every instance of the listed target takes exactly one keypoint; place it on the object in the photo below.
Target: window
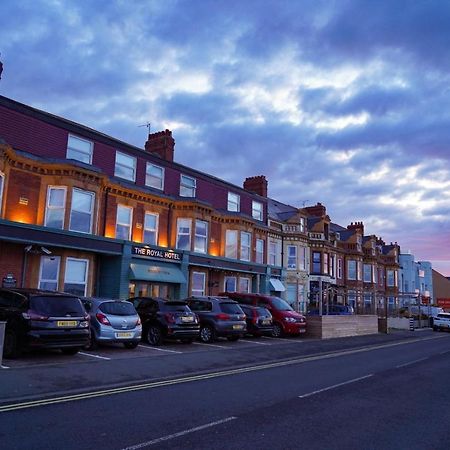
(291, 295)
(272, 253)
(154, 176)
(230, 284)
(2, 183)
(151, 228)
(125, 166)
(49, 273)
(244, 285)
(201, 236)
(233, 202)
(317, 262)
(231, 244)
(56, 206)
(257, 210)
(187, 186)
(325, 263)
(184, 234)
(246, 239)
(123, 222)
(339, 268)
(351, 269)
(303, 258)
(367, 273)
(390, 278)
(79, 149)
(359, 269)
(198, 283)
(302, 225)
(75, 280)
(259, 251)
(351, 299)
(81, 211)
(332, 267)
(292, 257)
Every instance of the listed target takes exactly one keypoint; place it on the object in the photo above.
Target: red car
(285, 319)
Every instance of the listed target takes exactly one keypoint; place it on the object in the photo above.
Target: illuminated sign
(168, 255)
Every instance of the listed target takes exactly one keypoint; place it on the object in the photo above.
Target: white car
(441, 322)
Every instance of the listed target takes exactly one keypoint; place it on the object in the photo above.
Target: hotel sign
(167, 255)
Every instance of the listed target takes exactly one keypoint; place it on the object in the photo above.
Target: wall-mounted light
(23, 201)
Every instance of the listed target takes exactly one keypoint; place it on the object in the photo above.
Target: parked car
(219, 317)
(258, 319)
(442, 322)
(285, 319)
(162, 319)
(42, 319)
(333, 310)
(113, 321)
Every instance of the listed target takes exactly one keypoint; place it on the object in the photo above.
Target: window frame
(48, 207)
(147, 174)
(351, 270)
(234, 254)
(249, 282)
(71, 148)
(225, 279)
(314, 263)
(149, 230)
(92, 195)
(86, 273)
(257, 213)
(130, 225)
(2, 188)
(41, 264)
(198, 292)
(237, 202)
(189, 221)
(184, 188)
(204, 238)
(291, 256)
(259, 252)
(116, 164)
(245, 249)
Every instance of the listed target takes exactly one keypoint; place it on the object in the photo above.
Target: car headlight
(289, 319)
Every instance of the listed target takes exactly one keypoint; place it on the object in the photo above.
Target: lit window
(198, 283)
(79, 149)
(184, 234)
(49, 273)
(257, 210)
(244, 285)
(230, 284)
(201, 236)
(123, 222)
(56, 206)
(259, 251)
(292, 257)
(151, 228)
(187, 186)
(154, 176)
(125, 166)
(233, 202)
(2, 182)
(82, 211)
(231, 244)
(246, 239)
(75, 280)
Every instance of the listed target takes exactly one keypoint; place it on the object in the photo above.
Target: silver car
(113, 321)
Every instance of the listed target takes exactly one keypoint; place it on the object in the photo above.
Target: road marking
(4, 367)
(180, 433)
(280, 339)
(210, 345)
(335, 386)
(254, 342)
(443, 353)
(189, 379)
(411, 362)
(94, 356)
(160, 349)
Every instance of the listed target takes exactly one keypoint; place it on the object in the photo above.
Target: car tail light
(31, 315)
(223, 316)
(170, 318)
(138, 322)
(102, 319)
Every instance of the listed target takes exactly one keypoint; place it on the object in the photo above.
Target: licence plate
(238, 327)
(124, 335)
(302, 330)
(266, 322)
(66, 323)
(187, 319)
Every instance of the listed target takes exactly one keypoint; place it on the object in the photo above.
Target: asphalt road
(378, 393)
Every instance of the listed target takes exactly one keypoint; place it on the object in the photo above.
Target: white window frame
(272, 252)
(41, 264)
(67, 274)
(355, 263)
(367, 275)
(149, 177)
(291, 257)
(303, 258)
(71, 149)
(245, 249)
(187, 190)
(257, 210)
(234, 202)
(199, 292)
(91, 216)
(188, 224)
(232, 279)
(132, 166)
(259, 251)
(49, 207)
(129, 225)
(149, 229)
(231, 252)
(2, 187)
(247, 287)
(201, 238)
(339, 268)
(326, 263)
(302, 225)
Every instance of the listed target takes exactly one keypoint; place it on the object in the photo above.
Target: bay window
(184, 234)
(82, 210)
(123, 222)
(55, 207)
(151, 228)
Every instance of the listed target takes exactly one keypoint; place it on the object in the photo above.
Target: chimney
(356, 226)
(161, 144)
(257, 184)
(316, 211)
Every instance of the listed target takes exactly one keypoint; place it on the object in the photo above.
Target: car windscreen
(175, 307)
(263, 312)
(57, 306)
(117, 308)
(230, 308)
(280, 304)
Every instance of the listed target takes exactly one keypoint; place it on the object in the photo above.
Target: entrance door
(146, 289)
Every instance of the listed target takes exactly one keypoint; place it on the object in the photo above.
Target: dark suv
(259, 320)
(42, 319)
(219, 316)
(165, 319)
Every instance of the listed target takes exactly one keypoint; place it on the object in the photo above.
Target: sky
(343, 102)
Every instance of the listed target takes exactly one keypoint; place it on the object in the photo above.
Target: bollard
(411, 324)
(2, 340)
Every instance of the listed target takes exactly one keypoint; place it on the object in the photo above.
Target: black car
(42, 319)
(259, 320)
(166, 319)
(219, 317)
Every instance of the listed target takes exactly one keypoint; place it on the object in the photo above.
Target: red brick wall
(11, 259)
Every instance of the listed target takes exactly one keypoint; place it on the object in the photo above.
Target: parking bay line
(280, 339)
(254, 342)
(210, 345)
(180, 433)
(160, 349)
(94, 356)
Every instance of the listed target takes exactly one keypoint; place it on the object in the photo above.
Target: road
(373, 394)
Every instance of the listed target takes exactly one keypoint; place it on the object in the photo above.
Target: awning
(163, 273)
(277, 285)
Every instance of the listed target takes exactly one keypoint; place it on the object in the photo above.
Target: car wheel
(70, 350)
(130, 345)
(233, 338)
(207, 334)
(11, 347)
(154, 335)
(93, 344)
(277, 330)
(187, 341)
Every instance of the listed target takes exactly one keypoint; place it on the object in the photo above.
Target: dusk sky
(340, 102)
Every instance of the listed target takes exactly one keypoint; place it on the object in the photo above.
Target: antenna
(148, 125)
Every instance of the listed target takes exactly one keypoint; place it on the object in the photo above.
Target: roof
(279, 210)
